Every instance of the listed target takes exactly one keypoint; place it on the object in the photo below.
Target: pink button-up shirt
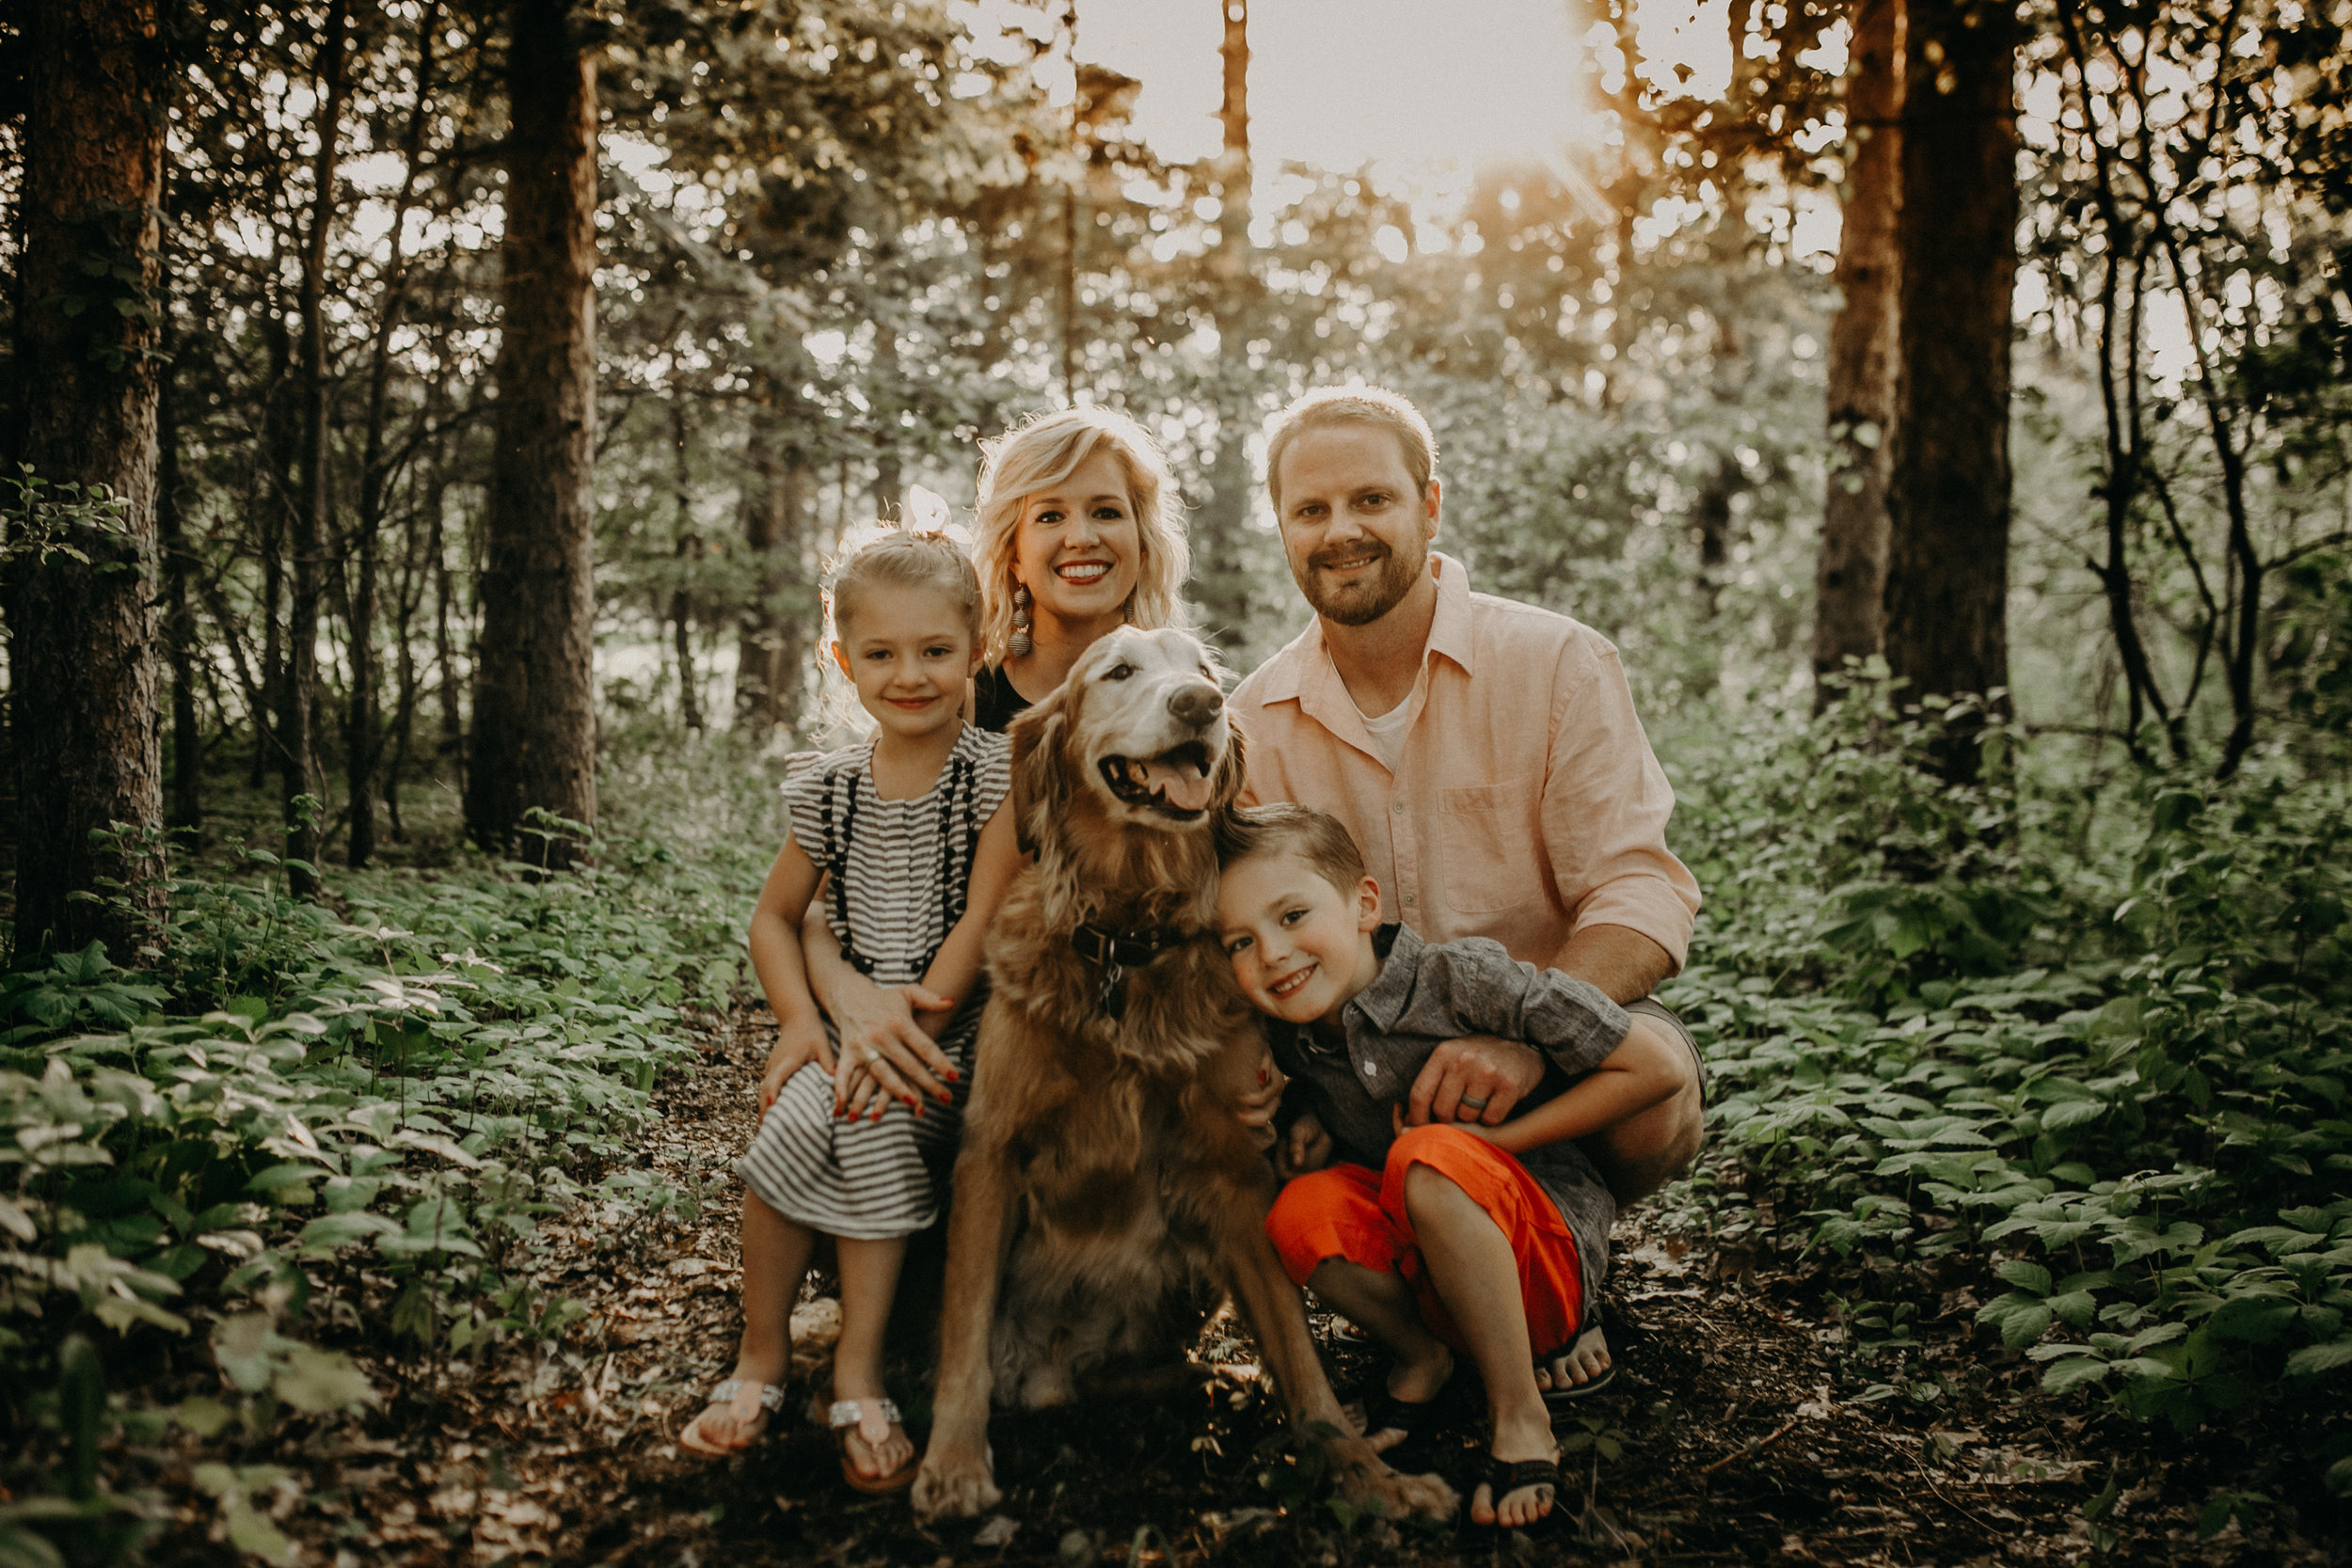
(1526, 804)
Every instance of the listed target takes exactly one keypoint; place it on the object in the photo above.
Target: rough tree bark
(535, 723)
(1948, 477)
(298, 697)
(1850, 571)
(83, 637)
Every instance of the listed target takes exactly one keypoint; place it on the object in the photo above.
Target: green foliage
(302, 1094)
(2081, 1051)
(41, 522)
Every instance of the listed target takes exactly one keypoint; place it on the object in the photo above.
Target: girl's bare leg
(775, 1256)
(870, 1278)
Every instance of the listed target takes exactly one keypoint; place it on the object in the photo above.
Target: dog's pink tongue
(1180, 786)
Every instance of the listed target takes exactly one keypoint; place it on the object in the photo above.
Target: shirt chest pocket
(1487, 836)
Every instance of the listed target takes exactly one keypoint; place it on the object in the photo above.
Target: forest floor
(1737, 1431)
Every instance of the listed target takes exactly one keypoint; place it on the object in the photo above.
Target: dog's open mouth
(1175, 783)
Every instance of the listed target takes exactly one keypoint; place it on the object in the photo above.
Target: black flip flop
(1557, 1399)
(1415, 1419)
(1504, 1477)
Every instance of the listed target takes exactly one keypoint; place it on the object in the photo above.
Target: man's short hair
(1314, 836)
(1369, 405)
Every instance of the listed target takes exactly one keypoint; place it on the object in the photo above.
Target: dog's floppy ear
(1233, 771)
(1040, 784)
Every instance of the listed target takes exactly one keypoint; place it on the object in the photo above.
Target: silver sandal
(770, 1401)
(884, 1414)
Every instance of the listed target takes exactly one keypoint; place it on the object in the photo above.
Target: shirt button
(1398, 808)
(1371, 1070)
(1408, 900)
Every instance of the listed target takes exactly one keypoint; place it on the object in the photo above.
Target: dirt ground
(1742, 1428)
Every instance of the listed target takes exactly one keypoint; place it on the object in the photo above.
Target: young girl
(911, 826)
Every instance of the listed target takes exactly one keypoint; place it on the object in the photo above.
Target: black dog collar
(1117, 951)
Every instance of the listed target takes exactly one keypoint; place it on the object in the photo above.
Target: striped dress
(900, 870)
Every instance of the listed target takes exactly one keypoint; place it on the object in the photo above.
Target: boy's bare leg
(1382, 1305)
(775, 1254)
(1477, 1274)
(870, 1278)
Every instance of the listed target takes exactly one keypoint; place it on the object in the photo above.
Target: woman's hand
(1256, 1105)
(1306, 1148)
(881, 1037)
(867, 1079)
(795, 1047)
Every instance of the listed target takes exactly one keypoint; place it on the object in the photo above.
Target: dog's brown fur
(1106, 1185)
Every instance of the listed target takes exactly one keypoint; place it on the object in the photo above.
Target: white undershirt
(1388, 731)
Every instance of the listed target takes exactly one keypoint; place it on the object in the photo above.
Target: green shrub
(2084, 1045)
(303, 1100)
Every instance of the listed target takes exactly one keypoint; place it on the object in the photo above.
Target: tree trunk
(1069, 293)
(83, 635)
(446, 686)
(1948, 478)
(1221, 567)
(187, 739)
(773, 640)
(277, 444)
(689, 698)
(534, 727)
(1710, 520)
(362, 741)
(298, 697)
(1850, 572)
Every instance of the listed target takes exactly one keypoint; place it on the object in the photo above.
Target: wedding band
(1472, 1103)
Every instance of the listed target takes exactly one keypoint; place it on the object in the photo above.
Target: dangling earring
(1021, 645)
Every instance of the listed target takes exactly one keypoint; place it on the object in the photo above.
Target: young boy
(1488, 1241)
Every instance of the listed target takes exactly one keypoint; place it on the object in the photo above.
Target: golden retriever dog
(1107, 1194)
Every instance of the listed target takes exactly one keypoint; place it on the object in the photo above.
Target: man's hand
(1306, 1148)
(1477, 1078)
(795, 1047)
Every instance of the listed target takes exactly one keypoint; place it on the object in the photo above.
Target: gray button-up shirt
(1427, 993)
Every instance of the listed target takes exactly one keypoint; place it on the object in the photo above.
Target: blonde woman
(1079, 532)
(1078, 535)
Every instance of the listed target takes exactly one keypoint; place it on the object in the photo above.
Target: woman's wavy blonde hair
(1041, 453)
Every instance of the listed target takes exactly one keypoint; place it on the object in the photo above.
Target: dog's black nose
(1197, 705)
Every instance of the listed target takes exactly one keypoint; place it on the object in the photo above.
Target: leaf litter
(1744, 1426)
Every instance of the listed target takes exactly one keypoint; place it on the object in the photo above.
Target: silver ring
(1472, 1103)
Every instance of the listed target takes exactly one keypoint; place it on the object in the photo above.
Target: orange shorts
(1358, 1213)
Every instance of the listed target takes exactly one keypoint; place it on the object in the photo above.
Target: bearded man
(1486, 757)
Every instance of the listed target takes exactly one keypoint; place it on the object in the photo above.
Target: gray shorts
(1650, 1007)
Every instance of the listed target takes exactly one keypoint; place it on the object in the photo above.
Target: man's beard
(1360, 603)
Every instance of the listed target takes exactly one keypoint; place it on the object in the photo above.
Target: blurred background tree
(460, 460)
